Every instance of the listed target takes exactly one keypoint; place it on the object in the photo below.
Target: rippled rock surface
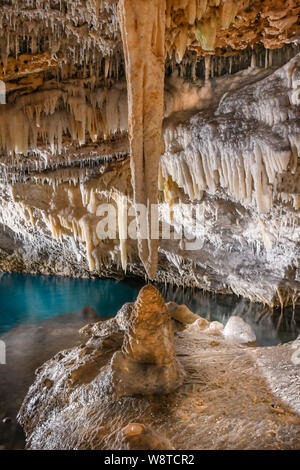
(109, 392)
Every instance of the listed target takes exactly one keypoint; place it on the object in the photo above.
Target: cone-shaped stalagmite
(150, 337)
(146, 364)
(142, 26)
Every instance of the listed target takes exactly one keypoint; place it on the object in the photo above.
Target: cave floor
(27, 348)
(233, 397)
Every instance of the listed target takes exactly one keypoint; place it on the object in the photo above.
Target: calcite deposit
(146, 362)
(143, 34)
(187, 387)
(189, 105)
(157, 139)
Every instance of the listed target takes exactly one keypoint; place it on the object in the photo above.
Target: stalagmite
(143, 33)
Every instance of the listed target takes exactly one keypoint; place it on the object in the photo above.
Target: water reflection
(28, 299)
(221, 307)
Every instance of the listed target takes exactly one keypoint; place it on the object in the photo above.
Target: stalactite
(86, 231)
(122, 225)
(228, 11)
(143, 34)
(2, 93)
(48, 115)
(227, 151)
(207, 68)
(207, 33)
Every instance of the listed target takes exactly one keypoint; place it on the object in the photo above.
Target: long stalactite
(143, 33)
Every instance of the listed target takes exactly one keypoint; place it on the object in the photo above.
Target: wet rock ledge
(157, 376)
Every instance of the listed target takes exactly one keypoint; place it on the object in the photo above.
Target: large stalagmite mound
(207, 92)
(126, 387)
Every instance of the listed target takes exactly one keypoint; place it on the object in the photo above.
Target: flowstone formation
(193, 105)
(157, 376)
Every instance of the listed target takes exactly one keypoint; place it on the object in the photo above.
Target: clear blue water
(34, 298)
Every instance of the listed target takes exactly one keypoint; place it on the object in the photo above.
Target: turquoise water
(34, 298)
(30, 299)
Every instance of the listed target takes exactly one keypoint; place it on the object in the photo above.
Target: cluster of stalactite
(250, 139)
(69, 109)
(193, 67)
(78, 30)
(207, 25)
(64, 64)
(71, 211)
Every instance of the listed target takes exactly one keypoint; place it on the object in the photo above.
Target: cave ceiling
(38, 37)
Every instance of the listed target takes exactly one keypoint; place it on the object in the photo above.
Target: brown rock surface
(137, 436)
(232, 397)
(150, 336)
(181, 313)
(146, 364)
